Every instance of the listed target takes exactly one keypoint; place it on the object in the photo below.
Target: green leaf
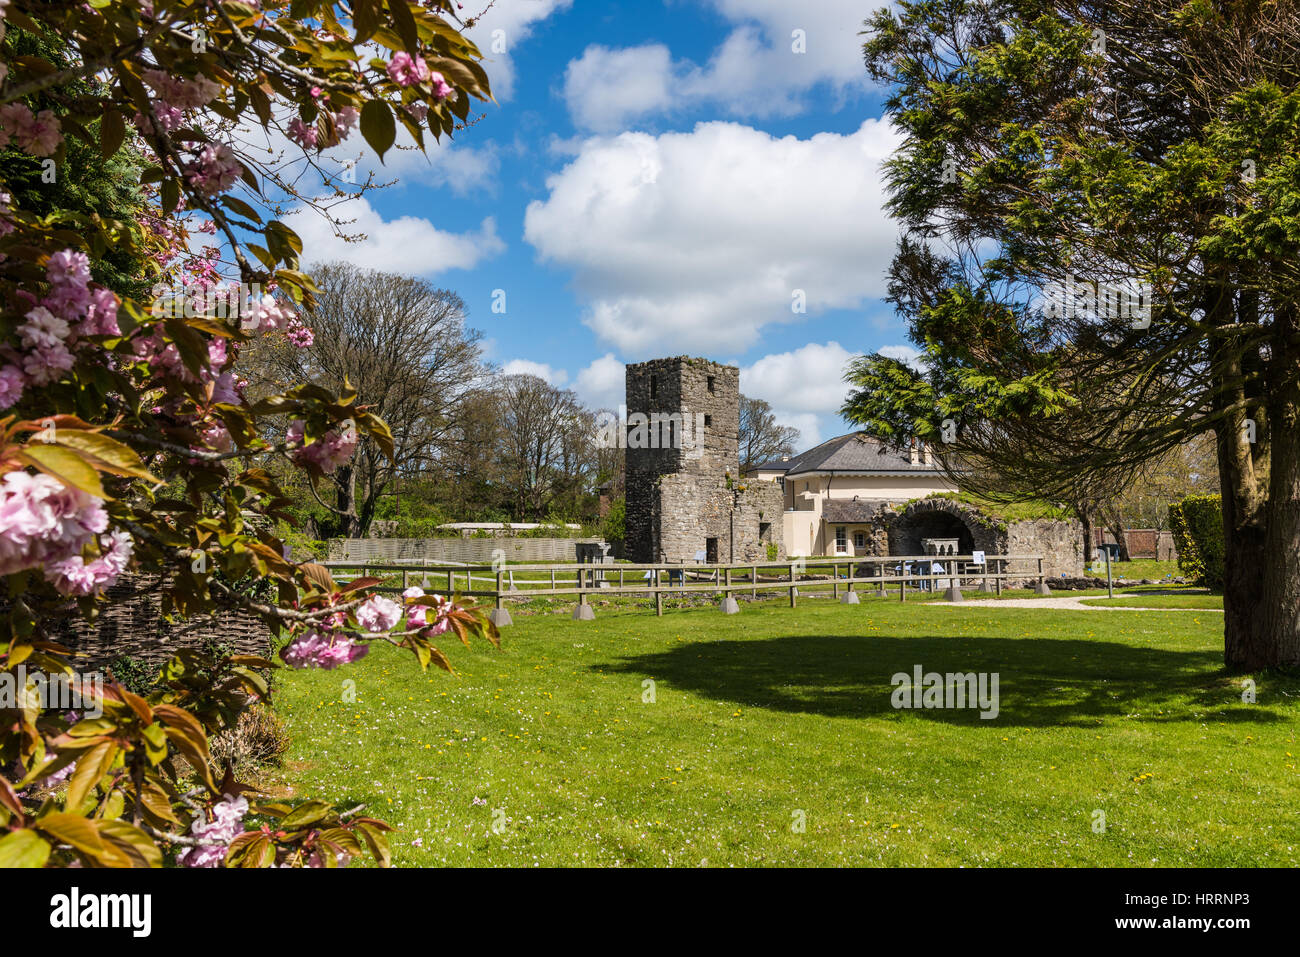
(23, 849)
(378, 126)
(112, 130)
(305, 814)
(65, 465)
(72, 829)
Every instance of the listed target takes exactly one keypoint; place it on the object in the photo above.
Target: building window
(710, 383)
(841, 539)
(708, 421)
(859, 540)
(654, 387)
(764, 531)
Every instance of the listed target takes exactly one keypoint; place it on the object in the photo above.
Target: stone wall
(1060, 544)
(899, 531)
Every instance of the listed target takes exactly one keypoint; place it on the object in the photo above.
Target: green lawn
(1138, 568)
(772, 716)
(1196, 600)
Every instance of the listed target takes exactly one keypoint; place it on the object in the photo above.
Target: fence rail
(590, 579)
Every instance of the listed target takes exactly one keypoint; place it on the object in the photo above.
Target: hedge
(1197, 524)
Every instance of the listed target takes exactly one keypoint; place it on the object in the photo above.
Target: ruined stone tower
(685, 495)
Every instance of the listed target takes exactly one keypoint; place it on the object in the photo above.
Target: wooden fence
(656, 580)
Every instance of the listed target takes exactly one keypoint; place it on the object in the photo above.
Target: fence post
(729, 604)
(584, 611)
(659, 596)
(498, 615)
(754, 580)
(835, 579)
(794, 591)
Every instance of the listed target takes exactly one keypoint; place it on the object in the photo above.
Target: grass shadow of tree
(1042, 682)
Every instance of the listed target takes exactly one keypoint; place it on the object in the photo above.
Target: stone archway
(947, 521)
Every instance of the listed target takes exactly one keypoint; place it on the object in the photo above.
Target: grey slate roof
(855, 452)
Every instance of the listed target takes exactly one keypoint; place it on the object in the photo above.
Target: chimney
(913, 453)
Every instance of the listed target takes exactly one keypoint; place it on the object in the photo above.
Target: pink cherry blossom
(407, 71)
(214, 170)
(43, 521)
(316, 649)
(328, 452)
(11, 385)
(345, 121)
(441, 89)
(303, 134)
(378, 614)
(216, 835)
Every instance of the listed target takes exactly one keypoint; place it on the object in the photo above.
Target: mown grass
(1161, 601)
(772, 716)
(1138, 568)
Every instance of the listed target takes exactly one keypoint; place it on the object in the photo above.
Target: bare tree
(547, 443)
(761, 438)
(403, 345)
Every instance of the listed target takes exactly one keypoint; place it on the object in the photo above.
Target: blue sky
(655, 179)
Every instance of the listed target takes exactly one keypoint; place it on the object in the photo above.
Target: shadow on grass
(1042, 683)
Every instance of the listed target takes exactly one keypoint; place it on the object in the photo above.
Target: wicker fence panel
(130, 624)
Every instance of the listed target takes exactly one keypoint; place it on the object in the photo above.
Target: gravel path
(1067, 602)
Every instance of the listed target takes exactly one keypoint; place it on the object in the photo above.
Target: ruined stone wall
(1060, 544)
(691, 510)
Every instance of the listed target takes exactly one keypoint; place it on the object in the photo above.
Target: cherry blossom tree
(127, 444)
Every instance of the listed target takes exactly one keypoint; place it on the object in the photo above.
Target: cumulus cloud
(805, 388)
(605, 87)
(700, 239)
(406, 244)
(603, 384)
(775, 54)
(556, 377)
(908, 355)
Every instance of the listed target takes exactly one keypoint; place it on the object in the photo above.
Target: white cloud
(805, 388)
(605, 87)
(701, 239)
(505, 25)
(809, 379)
(905, 354)
(758, 70)
(407, 244)
(552, 375)
(603, 384)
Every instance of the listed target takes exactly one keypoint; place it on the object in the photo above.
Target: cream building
(834, 491)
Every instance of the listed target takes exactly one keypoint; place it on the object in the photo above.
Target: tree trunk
(1261, 595)
(1116, 524)
(1085, 519)
(345, 484)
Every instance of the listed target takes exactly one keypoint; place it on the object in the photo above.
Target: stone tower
(685, 495)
